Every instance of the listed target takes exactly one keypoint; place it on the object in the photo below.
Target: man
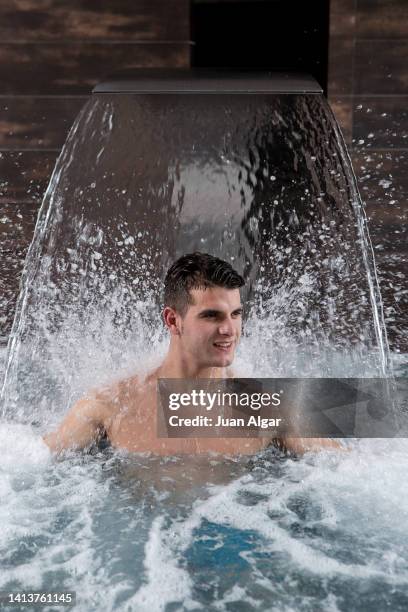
(203, 313)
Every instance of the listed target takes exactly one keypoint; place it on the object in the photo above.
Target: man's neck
(176, 367)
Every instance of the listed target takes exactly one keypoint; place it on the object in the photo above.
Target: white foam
(166, 581)
(21, 447)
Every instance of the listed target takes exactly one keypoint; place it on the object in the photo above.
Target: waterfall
(263, 181)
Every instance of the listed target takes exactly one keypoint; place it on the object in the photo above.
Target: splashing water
(266, 184)
(137, 533)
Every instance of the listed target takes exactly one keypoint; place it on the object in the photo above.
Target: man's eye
(210, 315)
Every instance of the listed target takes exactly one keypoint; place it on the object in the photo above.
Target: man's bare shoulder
(109, 400)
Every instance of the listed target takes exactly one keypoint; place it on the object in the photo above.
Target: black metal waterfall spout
(196, 81)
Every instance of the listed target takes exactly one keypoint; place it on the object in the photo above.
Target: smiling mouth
(223, 346)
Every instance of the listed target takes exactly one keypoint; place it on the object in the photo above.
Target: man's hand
(82, 425)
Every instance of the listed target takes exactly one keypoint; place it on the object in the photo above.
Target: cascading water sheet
(261, 181)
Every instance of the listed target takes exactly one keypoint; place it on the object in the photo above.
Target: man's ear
(171, 320)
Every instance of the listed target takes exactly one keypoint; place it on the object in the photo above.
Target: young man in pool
(203, 313)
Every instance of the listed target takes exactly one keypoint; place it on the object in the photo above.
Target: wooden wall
(52, 52)
(368, 91)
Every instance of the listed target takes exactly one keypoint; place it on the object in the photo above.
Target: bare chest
(134, 428)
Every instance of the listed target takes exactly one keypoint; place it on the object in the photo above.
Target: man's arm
(82, 425)
(299, 446)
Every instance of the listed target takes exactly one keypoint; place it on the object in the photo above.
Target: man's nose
(226, 328)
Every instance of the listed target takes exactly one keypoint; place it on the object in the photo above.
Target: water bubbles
(253, 224)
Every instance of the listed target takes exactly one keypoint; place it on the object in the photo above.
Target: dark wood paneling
(393, 216)
(341, 52)
(388, 231)
(393, 283)
(342, 19)
(343, 111)
(382, 176)
(118, 20)
(341, 48)
(381, 67)
(381, 122)
(17, 222)
(342, 24)
(75, 68)
(24, 176)
(10, 273)
(382, 18)
(37, 123)
(342, 6)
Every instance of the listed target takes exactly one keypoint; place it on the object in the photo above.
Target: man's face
(211, 328)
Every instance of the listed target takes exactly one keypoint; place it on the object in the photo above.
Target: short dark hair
(197, 271)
